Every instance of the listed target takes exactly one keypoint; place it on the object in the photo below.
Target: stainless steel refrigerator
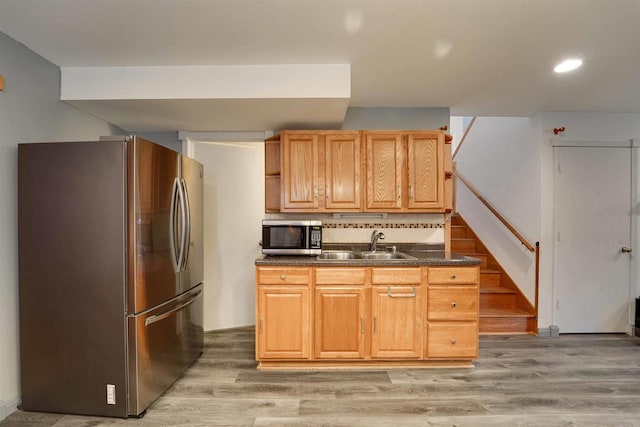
(111, 271)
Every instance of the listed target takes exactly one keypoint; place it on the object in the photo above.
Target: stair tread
(496, 290)
(504, 312)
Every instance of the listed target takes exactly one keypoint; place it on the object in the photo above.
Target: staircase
(503, 307)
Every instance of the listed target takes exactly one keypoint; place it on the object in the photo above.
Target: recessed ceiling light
(567, 65)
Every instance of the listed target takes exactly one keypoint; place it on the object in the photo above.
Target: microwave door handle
(187, 220)
(172, 225)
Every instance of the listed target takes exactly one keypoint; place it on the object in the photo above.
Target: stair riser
(458, 232)
(489, 280)
(497, 301)
(463, 245)
(504, 325)
(482, 258)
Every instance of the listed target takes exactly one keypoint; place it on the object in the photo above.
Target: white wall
(600, 127)
(30, 111)
(395, 118)
(510, 161)
(234, 208)
(500, 158)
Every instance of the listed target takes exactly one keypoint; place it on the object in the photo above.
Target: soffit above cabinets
(212, 98)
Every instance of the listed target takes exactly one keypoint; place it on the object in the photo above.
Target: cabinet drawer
(395, 276)
(449, 303)
(283, 276)
(452, 340)
(340, 276)
(452, 276)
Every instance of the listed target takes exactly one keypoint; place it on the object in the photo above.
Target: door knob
(626, 249)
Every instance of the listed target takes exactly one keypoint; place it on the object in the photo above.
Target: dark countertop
(424, 254)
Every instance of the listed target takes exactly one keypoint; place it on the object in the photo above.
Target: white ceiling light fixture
(567, 65)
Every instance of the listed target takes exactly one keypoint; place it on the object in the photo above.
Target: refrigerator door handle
(175, 194)
(187, 222)
(158, 317)
(183, 227)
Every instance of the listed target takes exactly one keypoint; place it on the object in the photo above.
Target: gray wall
(30, 111)
(395, 118)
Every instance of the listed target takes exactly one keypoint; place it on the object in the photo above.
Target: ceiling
(478, 57)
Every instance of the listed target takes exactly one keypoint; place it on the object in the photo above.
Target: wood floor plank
(571, 380)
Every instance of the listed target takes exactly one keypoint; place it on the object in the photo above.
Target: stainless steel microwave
(291, 237)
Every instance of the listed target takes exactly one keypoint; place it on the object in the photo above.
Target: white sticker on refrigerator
(111, 394)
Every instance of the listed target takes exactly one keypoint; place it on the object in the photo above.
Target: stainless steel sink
(385, 255)
(336, 255)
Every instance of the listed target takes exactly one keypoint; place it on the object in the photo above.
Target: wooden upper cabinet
(272, 175)
(384, 170)
(425, 161)
(342, 171)
(300, 171)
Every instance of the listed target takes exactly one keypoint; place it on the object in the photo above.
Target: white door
(592, 225)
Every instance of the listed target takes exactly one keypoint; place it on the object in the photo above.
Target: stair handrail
(512, 229)
(466, 132)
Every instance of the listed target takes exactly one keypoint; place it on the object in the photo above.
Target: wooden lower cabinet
(453, 312)
(366, 316)
(339, 316)
(452, 339)
(397, 322)
(284, 319)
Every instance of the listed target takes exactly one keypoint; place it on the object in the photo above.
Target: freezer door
(153, 171)
(163, 342)
(192, 182)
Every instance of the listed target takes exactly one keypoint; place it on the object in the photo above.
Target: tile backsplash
(357, 228)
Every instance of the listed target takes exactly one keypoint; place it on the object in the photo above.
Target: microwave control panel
(316, 237)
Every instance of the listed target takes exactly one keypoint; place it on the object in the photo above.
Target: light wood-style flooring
(571, 380)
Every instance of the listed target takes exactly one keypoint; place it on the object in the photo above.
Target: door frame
(632, 145)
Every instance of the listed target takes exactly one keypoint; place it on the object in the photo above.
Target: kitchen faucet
(374, 239)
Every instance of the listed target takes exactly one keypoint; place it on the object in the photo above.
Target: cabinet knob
(453, 341)
(453, 304)
(283, 277)
(453, 276)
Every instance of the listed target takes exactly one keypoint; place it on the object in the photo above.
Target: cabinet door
(283, 323)
(426, 170)
(300, 171)
(340, 323)
(397, 322)
(384, 170)
(342, 171)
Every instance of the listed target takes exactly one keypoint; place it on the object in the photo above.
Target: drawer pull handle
(453, 304)
(411, 295)
(453, 276)
(453, 341)
(260, 329)
(283, 277)
(362, 325)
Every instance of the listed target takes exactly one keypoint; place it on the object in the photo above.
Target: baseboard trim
(9, 407)
(550, 331)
